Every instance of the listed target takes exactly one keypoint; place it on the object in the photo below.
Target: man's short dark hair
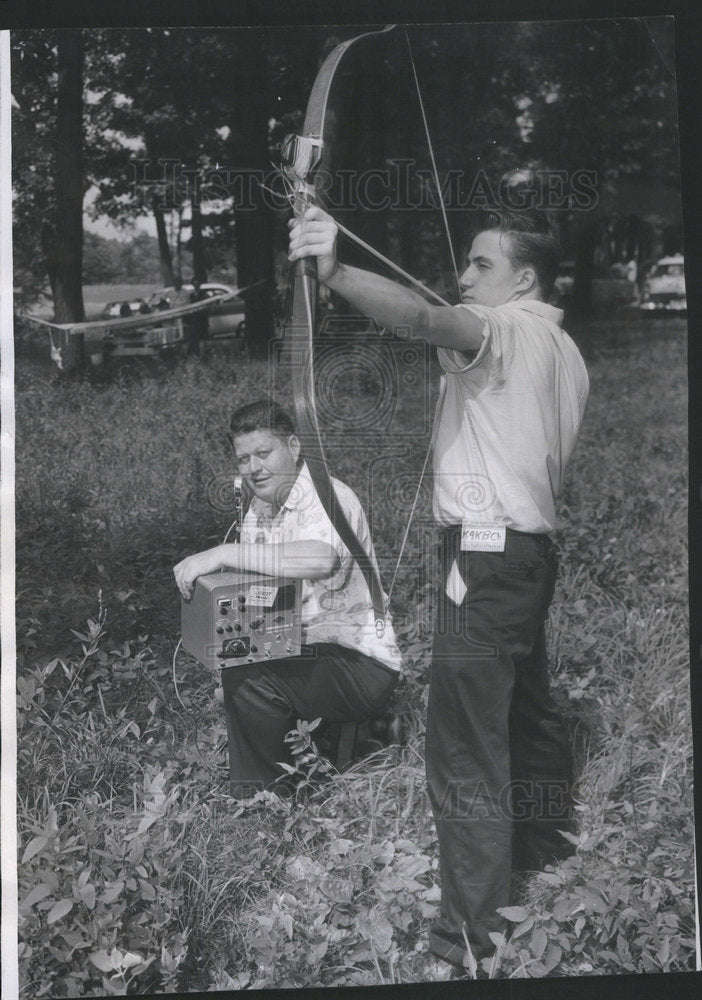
(263, 414)
(532, 243)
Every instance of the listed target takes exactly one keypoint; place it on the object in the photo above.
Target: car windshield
(668, 270)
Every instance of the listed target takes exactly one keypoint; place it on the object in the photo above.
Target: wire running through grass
(175, 682)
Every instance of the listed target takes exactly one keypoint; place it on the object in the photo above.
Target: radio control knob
(228, 628)
(237, 628)
(254, 649)
(220, 630)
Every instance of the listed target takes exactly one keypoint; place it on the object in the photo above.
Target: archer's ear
(527, 279)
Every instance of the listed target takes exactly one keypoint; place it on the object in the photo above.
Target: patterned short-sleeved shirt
(336, 608)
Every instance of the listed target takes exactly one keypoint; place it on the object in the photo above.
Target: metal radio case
(238, 618)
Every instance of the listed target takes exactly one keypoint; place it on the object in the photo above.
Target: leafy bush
(138, 871)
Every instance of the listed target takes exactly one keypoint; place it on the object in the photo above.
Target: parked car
(226, 318)
(128, 307)
(346, 325)
(664, 287)
(610, 287)
(152, 340)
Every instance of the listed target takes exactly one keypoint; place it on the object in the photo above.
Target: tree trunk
(196, 245)
(586, 241)
(254, 254)
(253, 219)
(363, 149)
(179, 243)
(68, 248)
(165, 259)
(406, 222)
(62, 241)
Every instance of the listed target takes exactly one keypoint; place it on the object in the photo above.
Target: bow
(306, 154)
(303, 158)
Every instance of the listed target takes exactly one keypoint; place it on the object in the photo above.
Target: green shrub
(138, 871)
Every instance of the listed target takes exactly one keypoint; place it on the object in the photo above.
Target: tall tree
(197, 101)
(33, 158)
(604, 103)
(164, 248)
(249, 159)
(594, 96)
(65, 256)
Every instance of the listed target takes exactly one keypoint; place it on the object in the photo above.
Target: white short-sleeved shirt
(509, 419)
(337, 608)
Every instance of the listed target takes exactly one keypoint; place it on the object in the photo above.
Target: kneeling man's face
(268, 463)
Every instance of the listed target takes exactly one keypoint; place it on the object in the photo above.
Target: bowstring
(386, 260)
(371, 250)
(298, 205)
(290, 194)
(442, 383)
(427, 456)
(395, 267)
(435, 169)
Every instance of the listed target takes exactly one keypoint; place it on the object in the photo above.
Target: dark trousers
(263, 701)
(497, 752)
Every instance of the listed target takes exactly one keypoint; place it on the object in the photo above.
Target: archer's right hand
(313, 234)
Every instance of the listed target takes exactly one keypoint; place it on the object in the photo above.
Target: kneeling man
(345, 672)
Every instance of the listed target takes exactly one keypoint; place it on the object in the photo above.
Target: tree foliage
(176, 115)
(110, 261)
(33, 155)
(139, 874)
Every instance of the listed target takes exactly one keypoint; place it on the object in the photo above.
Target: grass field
(138, 872)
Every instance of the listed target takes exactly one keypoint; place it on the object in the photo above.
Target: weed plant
(139, 873)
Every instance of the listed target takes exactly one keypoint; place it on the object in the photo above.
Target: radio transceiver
(238, 618)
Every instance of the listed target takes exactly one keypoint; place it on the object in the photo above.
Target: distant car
(346, 324)
(226, 318)
(117, 310)
(664, 287)
(151, 340)
(609, 286)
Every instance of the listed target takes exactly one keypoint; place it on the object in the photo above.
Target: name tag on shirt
(483, 536)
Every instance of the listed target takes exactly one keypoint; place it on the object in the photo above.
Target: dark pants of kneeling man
(264, 700)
